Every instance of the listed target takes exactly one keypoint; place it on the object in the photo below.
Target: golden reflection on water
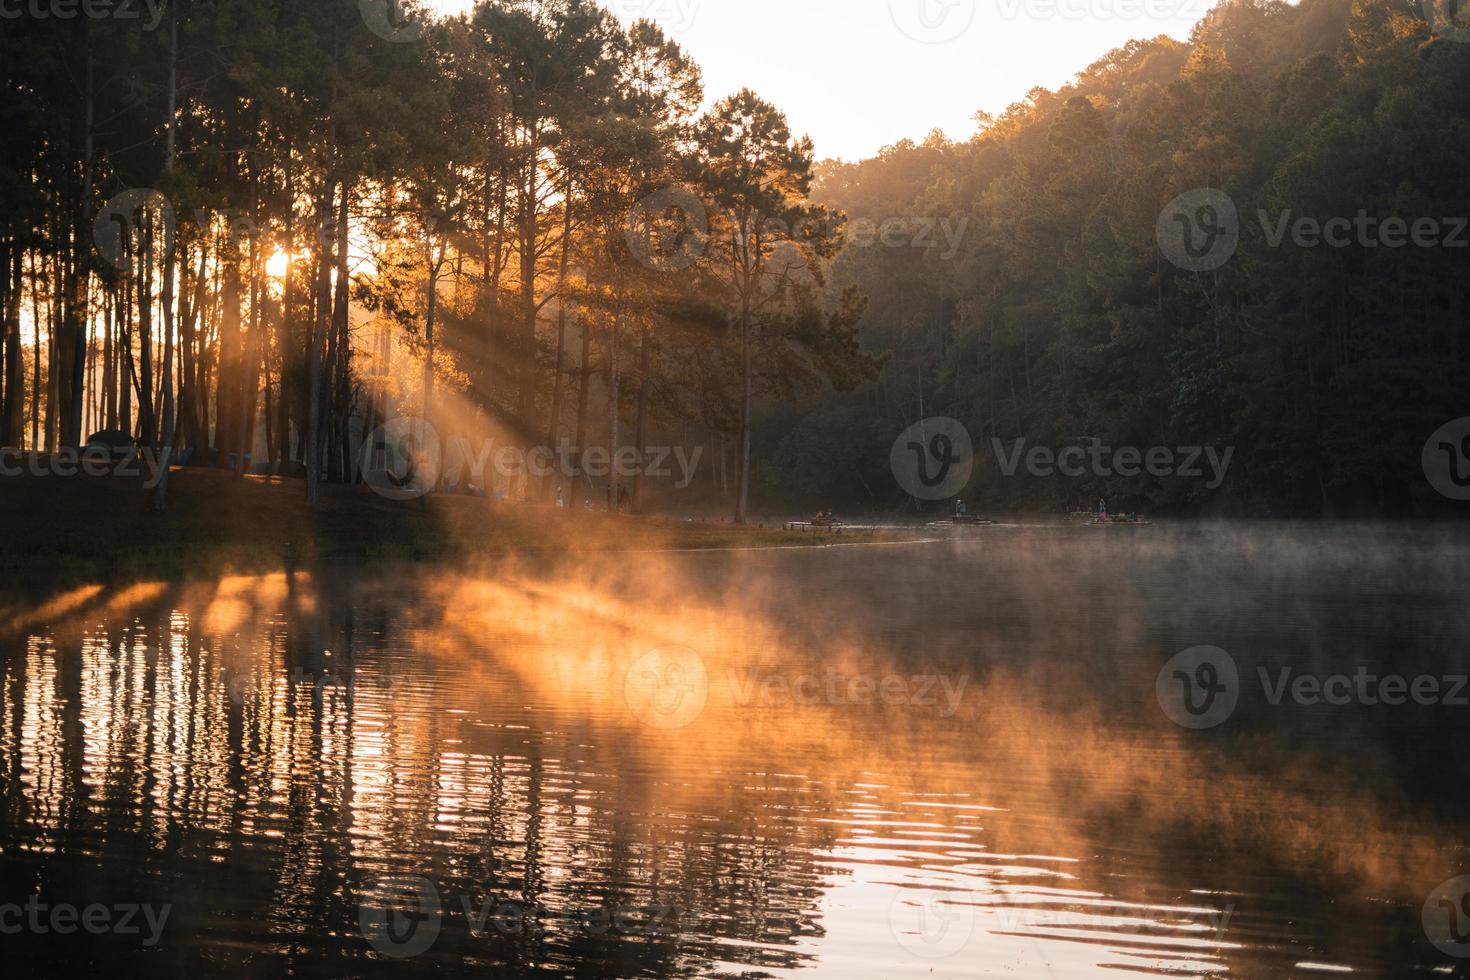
(257, 751)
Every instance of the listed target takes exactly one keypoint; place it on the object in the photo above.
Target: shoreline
(103, 529)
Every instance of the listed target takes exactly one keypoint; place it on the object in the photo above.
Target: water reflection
(883, 762)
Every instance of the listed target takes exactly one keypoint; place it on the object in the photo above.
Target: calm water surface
(926, 760)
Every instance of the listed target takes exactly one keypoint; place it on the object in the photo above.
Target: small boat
(824, 521)
(1121, 520)
(963, 522)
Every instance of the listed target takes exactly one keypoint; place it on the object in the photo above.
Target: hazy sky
(857, 75)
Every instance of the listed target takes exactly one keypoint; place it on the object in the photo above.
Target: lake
(1199, 750)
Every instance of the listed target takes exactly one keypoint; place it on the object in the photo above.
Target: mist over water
(921, 759)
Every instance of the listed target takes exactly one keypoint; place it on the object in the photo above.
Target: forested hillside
(1055, 316)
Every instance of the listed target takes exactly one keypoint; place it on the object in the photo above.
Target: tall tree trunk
(182, 321)
(204, 356)
(746, 400)
(35, 356)
(125, 366)
(54, 329)
(193, 404)
(341, 326)
(584, 375)
(189, 314)
(6, 287)
(431, 310)
(526, 395)
(336, 337)
(227, 381)
(285, 342)
(270, 425)
(146, 421)
(160, 495)
(640, 436)
(250, 367)
(314, 354)
(614, 409)
(109, 327)
(74, 350)
(553, 425)
(12, 415)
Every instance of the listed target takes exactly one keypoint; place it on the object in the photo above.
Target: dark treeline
(1057, 319)
(284, 218)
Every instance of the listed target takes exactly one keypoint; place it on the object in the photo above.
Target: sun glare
(275, 266)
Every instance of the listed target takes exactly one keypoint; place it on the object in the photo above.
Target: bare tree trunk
(250, 366)
(314, 355)
(341, 324)
(73, 354)
(146, 420)
(746, 400)
(614, 410)
(35, 356)
(285, 343)
(584, 376)
(185, 330)
(553, 426)
(271, 441)
(190, 307)
(641, 432)
(160, 495)
(228, 370)
(53, 346)
(431, 311)
(337, 348)
(11, 418)
(526, 395)
(125, 365)
(6, 287)
(109, 364)
(205, 332)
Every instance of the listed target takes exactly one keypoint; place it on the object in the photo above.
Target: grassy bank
(85, 528)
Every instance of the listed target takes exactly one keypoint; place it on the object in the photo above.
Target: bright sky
(857, 75)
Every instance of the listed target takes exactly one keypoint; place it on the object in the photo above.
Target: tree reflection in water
(258, 754)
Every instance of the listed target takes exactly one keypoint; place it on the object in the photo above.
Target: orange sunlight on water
(901, 798)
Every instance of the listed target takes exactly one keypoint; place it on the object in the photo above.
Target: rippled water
(923, 760)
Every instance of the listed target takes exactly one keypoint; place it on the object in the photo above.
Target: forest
(1057, 319)
(261, 229)
(256, 232)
